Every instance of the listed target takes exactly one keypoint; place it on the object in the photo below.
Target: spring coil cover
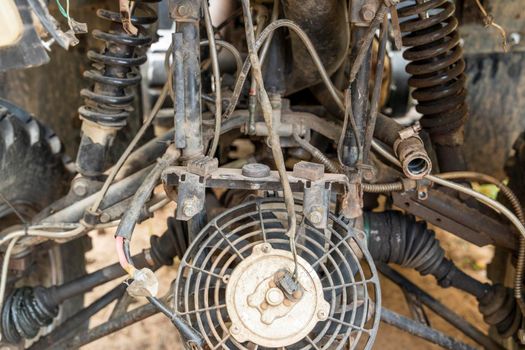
(437, 66)
(108, 101)
(348, 276)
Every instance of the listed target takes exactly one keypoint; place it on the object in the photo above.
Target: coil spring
(108, 102)
(437, 66)
(24, 313)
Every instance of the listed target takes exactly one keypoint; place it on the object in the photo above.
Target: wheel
(34, 174)
(501, 269)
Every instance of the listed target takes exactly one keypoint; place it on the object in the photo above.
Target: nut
(274, 296)
(255, 170)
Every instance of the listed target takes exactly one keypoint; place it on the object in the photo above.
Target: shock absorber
(437, 66)
(108, 102)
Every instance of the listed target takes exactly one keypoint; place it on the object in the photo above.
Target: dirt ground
(158, 333)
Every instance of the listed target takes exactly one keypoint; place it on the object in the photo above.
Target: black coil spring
(436, 65)
(24, 313)
(108, 101)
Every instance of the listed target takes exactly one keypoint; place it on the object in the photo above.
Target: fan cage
(338, 254)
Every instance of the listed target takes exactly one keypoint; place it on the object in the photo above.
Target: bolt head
(80, 188)
(104, 218)
(368, 12)
(184, 10)
(321, 314)
(189, 208)
(315, 217)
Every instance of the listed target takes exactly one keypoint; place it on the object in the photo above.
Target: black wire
(127, 252)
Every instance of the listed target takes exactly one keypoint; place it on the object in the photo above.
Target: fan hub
(262, 312)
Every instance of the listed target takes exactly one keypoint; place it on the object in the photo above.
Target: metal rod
(88, 282)
(451, 317)
(113, 326)
(419, 330)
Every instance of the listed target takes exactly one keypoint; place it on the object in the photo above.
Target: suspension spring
(437, 68)
(108, 102)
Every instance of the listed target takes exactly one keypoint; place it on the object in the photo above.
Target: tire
(501, 269)
(33, 175)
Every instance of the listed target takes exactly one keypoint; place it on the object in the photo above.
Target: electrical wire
(217, 78)
(267, 110)
(284, 23)
(115, 169)
(231, 49)
(5, 269)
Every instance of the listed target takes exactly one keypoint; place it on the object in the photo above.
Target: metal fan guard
(349, 277)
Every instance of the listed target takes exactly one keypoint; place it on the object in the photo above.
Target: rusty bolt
(368, 12)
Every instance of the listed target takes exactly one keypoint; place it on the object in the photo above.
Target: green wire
(61, 9)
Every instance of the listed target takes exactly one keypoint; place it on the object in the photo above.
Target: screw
(266, 248)
(234, 330)
(316, 216)
(368, 12)
(321, 314)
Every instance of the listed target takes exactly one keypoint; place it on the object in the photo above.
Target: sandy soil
(158, 333)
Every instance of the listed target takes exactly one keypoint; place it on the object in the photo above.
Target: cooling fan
(238, 286)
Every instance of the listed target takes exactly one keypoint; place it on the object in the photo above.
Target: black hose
(130, 218)
(394, 237)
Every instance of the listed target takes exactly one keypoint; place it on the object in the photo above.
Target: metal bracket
(316, 202)
(192, 187)
(191, 195)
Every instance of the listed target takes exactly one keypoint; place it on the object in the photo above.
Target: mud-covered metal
(336, 256)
